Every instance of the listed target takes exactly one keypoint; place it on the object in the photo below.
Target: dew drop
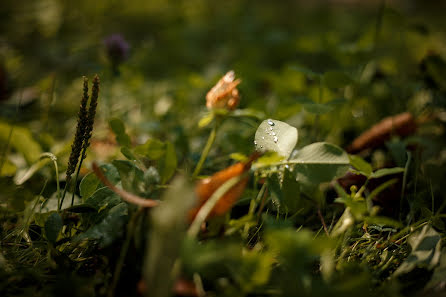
(255, 142)
(263, 137)
(275, 139)
(271, 123)
(273, 133)
(287, 166)
(271, 128)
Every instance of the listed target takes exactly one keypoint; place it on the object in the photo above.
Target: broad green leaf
(276, 136)
(128, 153)
(21, 140)
(153, 149)
(276, 193)
(386, 171)
(319, 162)
(336, 79)
(360, 165)
(88, 185)
(426, 251)
(103, 198)
(132, 178)
(111, 173)
(109, 228)
(119, 129)
(168, 164)
(53, 225)
(291, 198)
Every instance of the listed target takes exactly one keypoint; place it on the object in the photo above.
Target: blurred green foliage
(331, 69)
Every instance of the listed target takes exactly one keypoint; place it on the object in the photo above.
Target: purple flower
(117, 48)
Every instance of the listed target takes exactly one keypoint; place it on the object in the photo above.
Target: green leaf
(153, 149)
(109, 229)
(119, 129)
(132, 178)
(103, 198)
(168, 163)
(111, 173)
(386, 171)
(128, 153)
(206, 120)
(291, 198)
(276, 136)
(88, 185)
(21, 140)
(336, 79)
(319, 162)
(359, 164)
(53, 225)
(426, 251)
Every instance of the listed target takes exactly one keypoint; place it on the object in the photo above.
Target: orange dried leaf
(402, 124)
(206, 187)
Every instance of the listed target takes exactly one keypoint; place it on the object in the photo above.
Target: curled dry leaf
(206, 187)
(402, 124)
(224, 94)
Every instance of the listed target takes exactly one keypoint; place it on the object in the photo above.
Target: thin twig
(322, 221)
(129, 197)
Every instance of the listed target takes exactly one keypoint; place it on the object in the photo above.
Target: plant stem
(206, 149)
(83, 155)
(67, 183)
